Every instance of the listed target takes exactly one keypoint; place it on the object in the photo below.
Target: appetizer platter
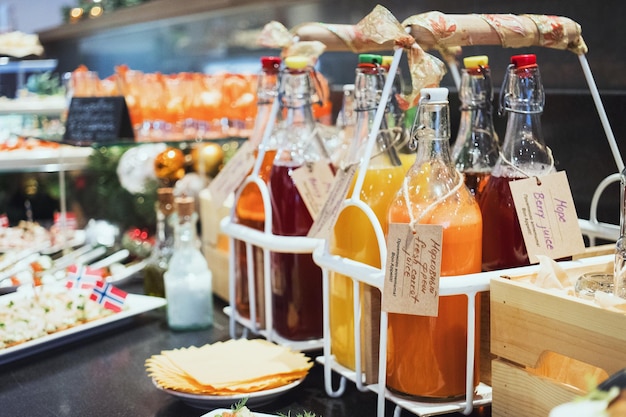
(37, 319)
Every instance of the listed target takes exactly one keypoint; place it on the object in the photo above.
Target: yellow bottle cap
(296, 62)
(387, 60)
(476, 61)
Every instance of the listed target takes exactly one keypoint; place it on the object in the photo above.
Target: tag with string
(547, 216)
(413, 269)
(233, 173)
(313, 181)
(327, 217)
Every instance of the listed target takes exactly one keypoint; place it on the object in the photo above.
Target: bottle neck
(296, 135)
(476, 147)
(186, 235)
(524, 152)
(622, 220)
(267, 91)
(369, 83)
(164, 227)
(433, 134)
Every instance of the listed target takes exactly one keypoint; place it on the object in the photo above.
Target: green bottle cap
(370, 59)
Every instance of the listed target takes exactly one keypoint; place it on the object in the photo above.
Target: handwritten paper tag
(547, 216)
(413, 269)
(313, 181)
(324, 222)
(232, 174)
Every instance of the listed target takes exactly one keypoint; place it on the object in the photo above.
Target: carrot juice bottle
(296, 279)
(426, 356)
(524, 154)
(249, 209)
(353, 235)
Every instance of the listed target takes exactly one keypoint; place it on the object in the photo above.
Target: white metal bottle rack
(469, 285)
(268, 242)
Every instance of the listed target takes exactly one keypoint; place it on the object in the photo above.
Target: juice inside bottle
(524, 154)
(476, 182)
(427, 355)
(249, 211)
(296, 279)
(354, 238)
(509, 250)
(249, 208)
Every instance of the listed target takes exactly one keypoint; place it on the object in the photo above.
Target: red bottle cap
(271, 63)
(521, 61)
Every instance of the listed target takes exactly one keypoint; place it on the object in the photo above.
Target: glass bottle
(396, 117)
(249, 209)
(158, 261)
(353, 235)
(426, 356)
(345, 124)
(296, 279)
(476, 149)
(619, 285)
(188, 279)
(523, 155)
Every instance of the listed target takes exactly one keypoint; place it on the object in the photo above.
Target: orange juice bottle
(249, 210)
(353, 235)
(426, 356)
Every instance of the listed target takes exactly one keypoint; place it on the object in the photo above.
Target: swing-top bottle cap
(296, 62)
(526, 60)
(387, 59)
(476, 61)
(271, 63)
(370, 59)
(185, 206)
(438, 94)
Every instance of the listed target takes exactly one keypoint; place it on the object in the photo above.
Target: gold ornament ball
(170, 164)
(207, 158)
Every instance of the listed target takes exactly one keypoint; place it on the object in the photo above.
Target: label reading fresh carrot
(413, 269)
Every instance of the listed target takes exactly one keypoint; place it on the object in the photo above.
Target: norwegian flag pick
(107, 295)
(83, 277)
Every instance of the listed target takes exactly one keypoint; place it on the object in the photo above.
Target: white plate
(255, 399)
(219, 411)
(135, 303)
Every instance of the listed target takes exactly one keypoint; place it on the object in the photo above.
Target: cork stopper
(165, 197)
(185, 206)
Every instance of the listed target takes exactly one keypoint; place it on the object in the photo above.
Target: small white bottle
(188, 280)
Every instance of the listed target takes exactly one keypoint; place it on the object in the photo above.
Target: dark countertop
(104, 375)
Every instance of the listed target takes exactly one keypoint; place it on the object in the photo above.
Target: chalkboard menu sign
(98, 120)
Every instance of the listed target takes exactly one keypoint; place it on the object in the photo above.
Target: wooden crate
(550, 347)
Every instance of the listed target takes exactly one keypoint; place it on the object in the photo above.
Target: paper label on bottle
(313, 181)
(232, 174)
(547, 216)
(413, 269)
(325, 221)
